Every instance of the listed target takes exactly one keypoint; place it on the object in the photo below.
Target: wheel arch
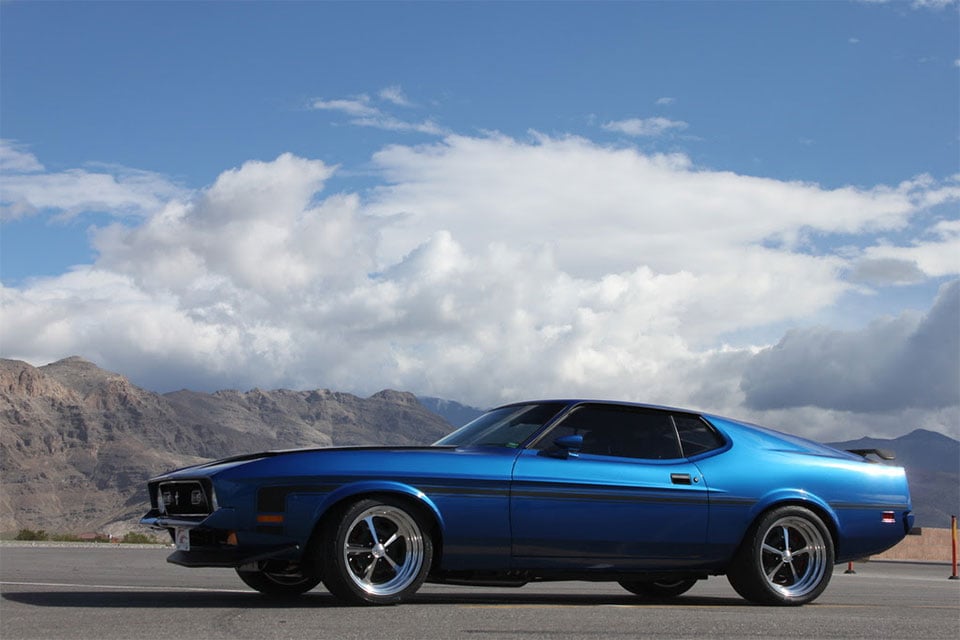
(808, 501)
(339, 500)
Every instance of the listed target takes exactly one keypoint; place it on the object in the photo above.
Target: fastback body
(498, 511)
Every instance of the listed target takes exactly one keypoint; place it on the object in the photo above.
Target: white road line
(121, 587)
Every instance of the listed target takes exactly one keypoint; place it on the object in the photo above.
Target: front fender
(368, 487)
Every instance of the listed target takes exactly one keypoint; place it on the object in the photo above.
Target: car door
(627, 499)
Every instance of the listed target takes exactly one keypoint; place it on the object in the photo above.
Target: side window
(619, 431)
(696, 436)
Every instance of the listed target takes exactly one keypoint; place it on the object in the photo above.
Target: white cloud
(359, 107)
(365, 114)
(608, 210)
(665, 101)
(395, 95)
(254, 230)
(936, 5)
(651, 127)
(389, 123)
(14, 159)
(936, 253)
(482, 269)
(115, 190)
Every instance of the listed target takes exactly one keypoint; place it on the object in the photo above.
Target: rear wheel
(786, 559)
(659, 588)
(379, 552)
(277, 584)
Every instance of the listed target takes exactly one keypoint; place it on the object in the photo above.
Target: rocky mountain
(77, 443)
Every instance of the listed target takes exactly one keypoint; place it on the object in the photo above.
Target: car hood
(216, 467)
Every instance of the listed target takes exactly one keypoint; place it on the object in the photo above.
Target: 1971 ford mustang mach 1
(651, 497)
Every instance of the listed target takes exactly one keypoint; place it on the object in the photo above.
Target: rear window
(696, 436)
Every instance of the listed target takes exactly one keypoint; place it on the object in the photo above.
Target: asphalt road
(119, 592)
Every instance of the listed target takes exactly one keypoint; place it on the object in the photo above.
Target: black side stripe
(273, 499)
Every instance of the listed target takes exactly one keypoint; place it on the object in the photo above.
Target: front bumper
(215, 540)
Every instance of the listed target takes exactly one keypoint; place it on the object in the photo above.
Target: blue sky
(715, 205)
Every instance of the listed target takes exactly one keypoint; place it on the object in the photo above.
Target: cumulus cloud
(645, 127)
(611, 209)
(255, 233)
(897, 363)
(482, 269)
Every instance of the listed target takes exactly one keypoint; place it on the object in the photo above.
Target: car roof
(615, 403)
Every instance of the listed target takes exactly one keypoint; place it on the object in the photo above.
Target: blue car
(654, 498)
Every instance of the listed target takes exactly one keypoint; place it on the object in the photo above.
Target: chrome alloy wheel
(793, 556)
(383, 550)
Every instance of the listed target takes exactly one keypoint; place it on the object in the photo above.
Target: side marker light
(270, 518)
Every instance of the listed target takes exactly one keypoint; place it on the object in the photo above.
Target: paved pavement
(119, 592)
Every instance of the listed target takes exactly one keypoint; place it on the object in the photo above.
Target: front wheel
(659, 588)
(277, 584)
(786, 558)
(379, 552)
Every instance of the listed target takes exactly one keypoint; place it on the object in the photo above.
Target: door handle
(680, 478)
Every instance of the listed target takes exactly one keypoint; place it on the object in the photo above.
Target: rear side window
(696, 436)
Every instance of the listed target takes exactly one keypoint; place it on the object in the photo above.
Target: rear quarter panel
(759, 472)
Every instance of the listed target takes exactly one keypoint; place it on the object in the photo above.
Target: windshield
(507, 426)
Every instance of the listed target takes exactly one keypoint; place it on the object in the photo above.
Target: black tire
(785, 559)
(659, 588)
(278, 585)
(377, 552)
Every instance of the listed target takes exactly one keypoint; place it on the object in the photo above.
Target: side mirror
(566, 447)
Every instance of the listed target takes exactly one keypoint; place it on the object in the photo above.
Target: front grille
(184, 498)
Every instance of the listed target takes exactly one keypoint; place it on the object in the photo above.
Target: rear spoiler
(883, 454)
